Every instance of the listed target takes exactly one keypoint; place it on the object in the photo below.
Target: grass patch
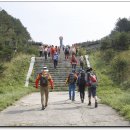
(108, 91)
(13, 80)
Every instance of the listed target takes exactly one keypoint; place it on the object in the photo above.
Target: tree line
(14, 38)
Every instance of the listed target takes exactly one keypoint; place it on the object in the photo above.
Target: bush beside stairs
(59, 75)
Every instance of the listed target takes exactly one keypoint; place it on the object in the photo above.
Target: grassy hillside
(13, 80)
(111, 92)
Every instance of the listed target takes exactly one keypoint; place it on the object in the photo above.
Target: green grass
(13, 80)
(108, 91)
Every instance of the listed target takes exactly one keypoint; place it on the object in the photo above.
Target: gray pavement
(60, 112)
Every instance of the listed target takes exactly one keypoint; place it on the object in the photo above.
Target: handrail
(87, 60)
(29, 71)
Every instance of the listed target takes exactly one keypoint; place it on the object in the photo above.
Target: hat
(45, 69)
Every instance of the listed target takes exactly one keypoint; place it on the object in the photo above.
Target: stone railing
(87, 60)
(29, 71)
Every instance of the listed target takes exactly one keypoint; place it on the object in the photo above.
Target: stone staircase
(59, 75)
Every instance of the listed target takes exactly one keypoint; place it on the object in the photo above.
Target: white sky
(75, 21)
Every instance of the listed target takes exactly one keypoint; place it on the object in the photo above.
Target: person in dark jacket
(81, 82)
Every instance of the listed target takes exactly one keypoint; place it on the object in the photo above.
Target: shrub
(2, 68)
(119, 69)
(108, 55)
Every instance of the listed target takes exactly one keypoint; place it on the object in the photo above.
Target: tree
(122, 25)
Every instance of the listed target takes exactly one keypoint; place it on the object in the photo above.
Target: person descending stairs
(59, 75)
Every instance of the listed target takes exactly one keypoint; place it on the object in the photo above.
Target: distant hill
(118, 39)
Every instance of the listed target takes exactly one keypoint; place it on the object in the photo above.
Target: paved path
(60, 112)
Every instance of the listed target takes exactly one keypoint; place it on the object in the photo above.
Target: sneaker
(43, 107)
(82, 100)
(73, 99)
(96, 104)
(89, 104)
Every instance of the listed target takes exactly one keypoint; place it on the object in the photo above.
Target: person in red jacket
(73, 61)
(44, 77)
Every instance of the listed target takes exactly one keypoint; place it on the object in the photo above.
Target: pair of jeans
(72, 91)
(45, 54)
(55, 63)
(73, 66)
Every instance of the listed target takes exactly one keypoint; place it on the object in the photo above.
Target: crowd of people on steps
(84, 78)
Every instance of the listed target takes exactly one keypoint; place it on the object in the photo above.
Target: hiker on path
(58, 50)
(76, 48)
(49, 51)
(55, 59)
(44, 77)
(45, 52)
(67, 52)
(52, 51)
(71, 80)
(92, 86)
(81, 83)
(73, 61)
(81, 61)
(40, 50)
(73, 50)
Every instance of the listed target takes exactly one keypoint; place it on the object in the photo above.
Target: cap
(45, 69)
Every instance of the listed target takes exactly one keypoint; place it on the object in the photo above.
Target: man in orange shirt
(52, 51)
(44, 77)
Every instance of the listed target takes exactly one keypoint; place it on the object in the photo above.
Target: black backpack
(82, 81)
(71, 78)
(66, 50)
(44, 80)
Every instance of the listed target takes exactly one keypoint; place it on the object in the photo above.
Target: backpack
(71, 78)
(66, 50)
(44, 80)
(73, 59)
(81, 60)
(93, 79)
(53, 50)
(82, 82)
(73, 50)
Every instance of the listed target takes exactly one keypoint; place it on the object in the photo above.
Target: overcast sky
(75, 21)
